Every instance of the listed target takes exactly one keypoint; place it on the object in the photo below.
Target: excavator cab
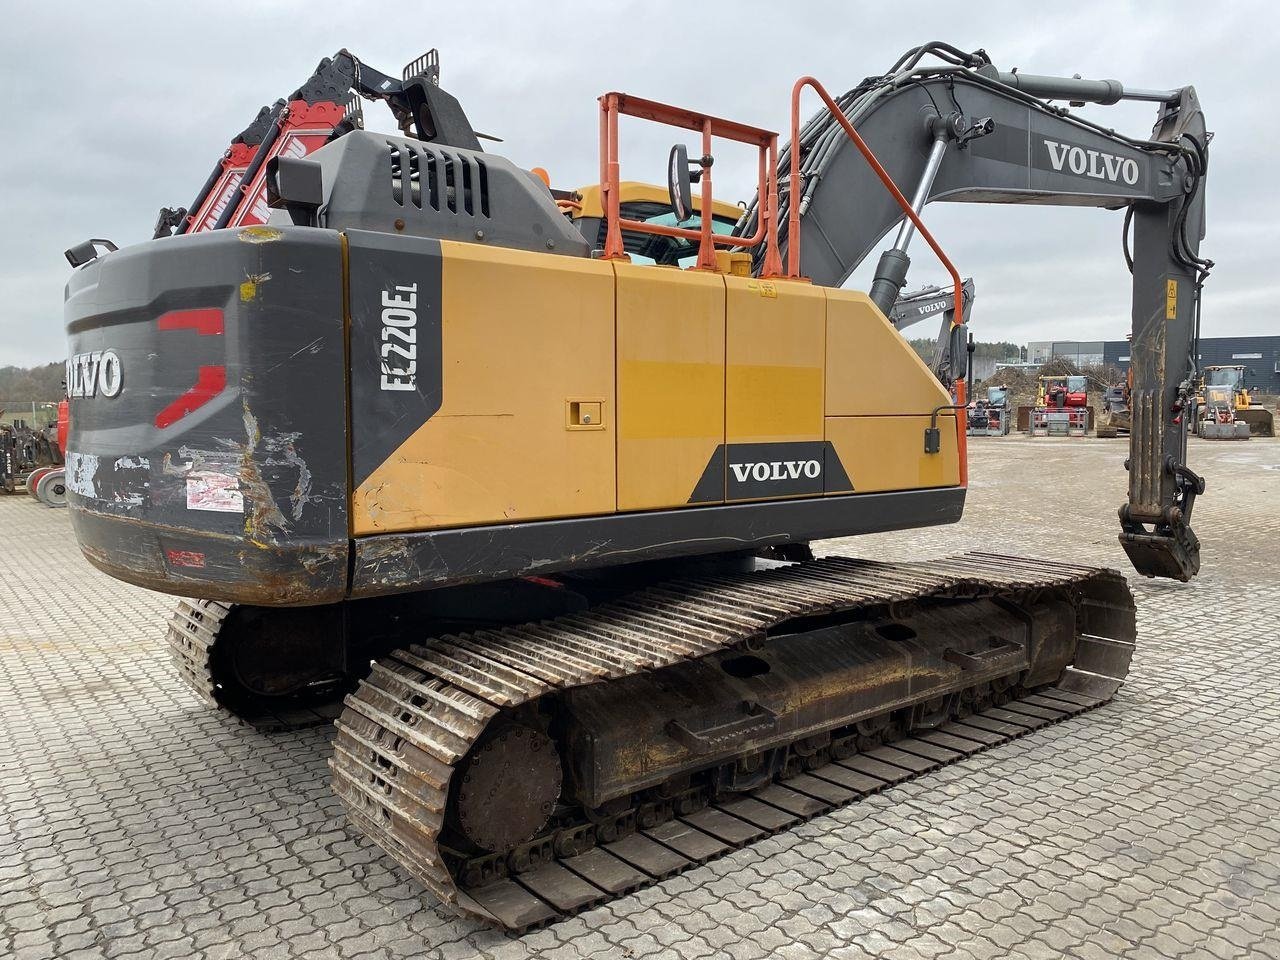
(647, 203)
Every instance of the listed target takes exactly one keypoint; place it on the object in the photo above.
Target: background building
(1260, 354)
(1083, 353)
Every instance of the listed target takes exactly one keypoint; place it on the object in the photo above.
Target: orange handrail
(793, 230)
(614, 104)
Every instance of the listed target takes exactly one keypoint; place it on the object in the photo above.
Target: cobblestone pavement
(134, 822)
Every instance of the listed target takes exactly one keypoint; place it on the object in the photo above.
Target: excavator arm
(912, 308)
(324, 107)
(935, 302)
(965, 131)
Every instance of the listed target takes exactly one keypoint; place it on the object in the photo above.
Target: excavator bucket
(1175, 556)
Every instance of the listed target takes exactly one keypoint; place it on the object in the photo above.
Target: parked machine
(1062, 407)
(417, 415)
(1226, 409)
(989, 416)
(1216, 416)
(31, 460)
(1116, 417)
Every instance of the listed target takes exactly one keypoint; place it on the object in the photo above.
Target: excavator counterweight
(519, 484)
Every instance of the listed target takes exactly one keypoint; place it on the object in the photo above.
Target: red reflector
(206, 321)
(210, 382)
(185, 558)
(545, 582)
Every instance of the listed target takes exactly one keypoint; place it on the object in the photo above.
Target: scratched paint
(81, 469)
(123, 481)
(259, 234)
(250, 288)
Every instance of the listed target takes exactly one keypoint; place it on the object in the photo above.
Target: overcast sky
(116, 109)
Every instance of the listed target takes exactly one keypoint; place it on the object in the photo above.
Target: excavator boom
(989, 136)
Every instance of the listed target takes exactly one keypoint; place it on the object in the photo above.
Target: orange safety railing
(793, 230)
(612, 105)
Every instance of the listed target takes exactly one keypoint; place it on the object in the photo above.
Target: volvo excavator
(520, 483)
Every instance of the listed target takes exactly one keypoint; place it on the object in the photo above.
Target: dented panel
(214, 442)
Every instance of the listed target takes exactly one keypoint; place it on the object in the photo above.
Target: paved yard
(133, 822)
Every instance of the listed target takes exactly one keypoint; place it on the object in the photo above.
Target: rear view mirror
(678, 183)
(87, 252)
(959, 351)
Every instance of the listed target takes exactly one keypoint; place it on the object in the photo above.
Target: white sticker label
(214, 491)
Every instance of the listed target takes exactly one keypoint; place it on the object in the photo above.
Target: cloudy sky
(116, 109)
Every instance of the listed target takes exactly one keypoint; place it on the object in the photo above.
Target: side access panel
(671, 382)
(481, 384)
(775, 355)
(671, 397)
(879, 398)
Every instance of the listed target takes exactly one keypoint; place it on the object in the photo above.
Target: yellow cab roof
(632, 191)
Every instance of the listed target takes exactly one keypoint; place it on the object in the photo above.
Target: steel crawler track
(422, 709)
(193, 630)
(194, 627)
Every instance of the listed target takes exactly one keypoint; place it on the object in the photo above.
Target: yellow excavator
(518, 484)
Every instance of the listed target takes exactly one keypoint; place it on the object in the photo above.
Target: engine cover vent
(409, 187)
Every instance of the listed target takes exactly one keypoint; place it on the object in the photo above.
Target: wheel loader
(1226, 409)
(519, 483)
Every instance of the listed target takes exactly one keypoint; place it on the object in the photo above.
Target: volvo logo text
(776, 470)
(94, 374)
(1092, 163)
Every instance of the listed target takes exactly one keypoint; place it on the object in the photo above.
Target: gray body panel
(397, 563)
(374, 182)
(257, 472)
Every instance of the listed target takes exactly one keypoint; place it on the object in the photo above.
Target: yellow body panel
(575, 387)
(671, 341)
(775, 359)
(871, 370)
(887, 453)
(524, 335)
(632, 191)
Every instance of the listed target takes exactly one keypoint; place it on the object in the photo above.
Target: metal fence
(1059, 422)
(34, 413)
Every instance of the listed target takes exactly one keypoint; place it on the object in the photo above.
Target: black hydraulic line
(973, 349)
(259, 158)
(185, 223)
(1124, 237)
